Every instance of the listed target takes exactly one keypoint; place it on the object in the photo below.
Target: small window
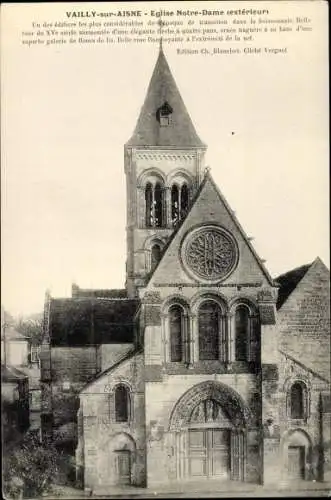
(156, 256)
(122, 404)
(297, 401)
(163, 114)
(34, 354)
(66, 385)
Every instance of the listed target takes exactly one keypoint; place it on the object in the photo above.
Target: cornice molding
(165, 156)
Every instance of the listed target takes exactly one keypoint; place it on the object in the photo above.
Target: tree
(35, 464)
(31, 327)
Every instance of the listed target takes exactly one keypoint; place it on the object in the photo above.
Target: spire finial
(160, 23)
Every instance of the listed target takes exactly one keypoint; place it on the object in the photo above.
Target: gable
(304, 320)
(210, 209)
(128, 369)
(291, 368)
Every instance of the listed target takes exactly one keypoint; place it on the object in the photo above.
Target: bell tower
(164, 165)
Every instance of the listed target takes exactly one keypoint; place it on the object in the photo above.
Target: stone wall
(102, 435)
(69, 370)
(304, 320)
(314, 426)
(161, 399)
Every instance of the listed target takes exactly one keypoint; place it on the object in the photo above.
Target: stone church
(204, 367)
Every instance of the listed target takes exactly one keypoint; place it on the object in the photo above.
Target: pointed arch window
(242, 332)
(122, 404)
(156, 255)
(176, 333)
(209, 322)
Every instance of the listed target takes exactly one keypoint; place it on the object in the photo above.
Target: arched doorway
(297, 455)
(121, 457)
(209, 427)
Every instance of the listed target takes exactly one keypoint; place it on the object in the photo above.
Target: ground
(300, 489)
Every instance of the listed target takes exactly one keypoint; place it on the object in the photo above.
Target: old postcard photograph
(165, 310)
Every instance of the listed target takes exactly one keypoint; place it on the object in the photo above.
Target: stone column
(223, 355)
(167, 192)
(195, 338)
(269, 381)
(230, 339)
(187, 341)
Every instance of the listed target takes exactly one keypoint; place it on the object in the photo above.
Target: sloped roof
(162, 90)
(128, 355)
(107, 293)
(293, 356)
(12, 334)
(288, 282)
(9, 374)
(88, 321)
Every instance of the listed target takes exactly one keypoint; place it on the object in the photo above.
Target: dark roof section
(288, 282)
(11, 334)
(89, 321)
(10, 374)
(162, 90)
(112, 293)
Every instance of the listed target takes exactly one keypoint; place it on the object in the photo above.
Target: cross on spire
(160, 23)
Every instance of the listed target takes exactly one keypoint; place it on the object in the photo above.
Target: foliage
(31, 327)
(9, 414)
(35, 464)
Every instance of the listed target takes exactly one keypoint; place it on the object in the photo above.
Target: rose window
(209, 253)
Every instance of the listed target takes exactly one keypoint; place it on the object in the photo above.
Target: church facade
(203, 367)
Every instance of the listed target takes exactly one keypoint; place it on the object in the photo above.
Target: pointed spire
(160, 23)
(163, 99)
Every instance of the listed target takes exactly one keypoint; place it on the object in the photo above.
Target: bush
(35, 464)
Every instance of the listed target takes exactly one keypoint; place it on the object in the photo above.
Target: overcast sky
(67, 112)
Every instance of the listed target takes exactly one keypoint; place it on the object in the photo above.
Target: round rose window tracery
(209, 253)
